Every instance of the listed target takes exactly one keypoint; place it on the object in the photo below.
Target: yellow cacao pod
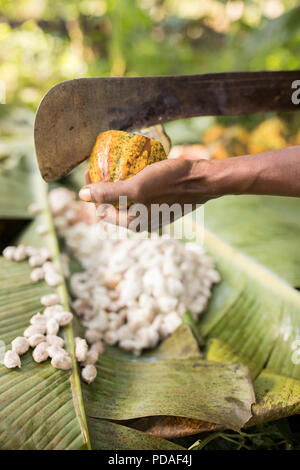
(118, 155)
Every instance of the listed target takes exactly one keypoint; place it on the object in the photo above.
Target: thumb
(107, 193)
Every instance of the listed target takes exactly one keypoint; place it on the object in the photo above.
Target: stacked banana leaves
(249, 329)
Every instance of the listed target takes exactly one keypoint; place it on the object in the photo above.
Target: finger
(85, 194)
(108, 193)
(116, 217)
(101, 210)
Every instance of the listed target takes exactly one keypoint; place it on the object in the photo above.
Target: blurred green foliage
(43, 42)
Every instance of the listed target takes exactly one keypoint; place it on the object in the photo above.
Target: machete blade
(72, 113)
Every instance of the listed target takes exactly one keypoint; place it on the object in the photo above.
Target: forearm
(275, 172)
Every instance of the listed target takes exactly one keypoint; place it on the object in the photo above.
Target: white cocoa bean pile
(133, 292)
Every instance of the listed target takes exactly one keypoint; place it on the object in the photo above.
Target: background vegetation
(43, 42)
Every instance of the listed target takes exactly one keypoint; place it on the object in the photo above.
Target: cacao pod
(118, 155)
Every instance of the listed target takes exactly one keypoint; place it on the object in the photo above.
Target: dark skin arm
(186, 181)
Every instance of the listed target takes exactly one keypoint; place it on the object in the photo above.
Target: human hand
(189, 182)
(167, 182)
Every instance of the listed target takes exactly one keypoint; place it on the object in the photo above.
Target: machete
(72, 113)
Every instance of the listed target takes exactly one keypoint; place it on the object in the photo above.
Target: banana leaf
(266, 228)
(16, 194)
(253, 318)
(258, 325)
(189, 387)
(106, 435)
(171, 427)
(40, 407)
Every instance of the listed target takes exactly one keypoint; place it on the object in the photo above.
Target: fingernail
(85, 194)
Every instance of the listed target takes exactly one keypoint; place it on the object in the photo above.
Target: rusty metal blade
(73, 112)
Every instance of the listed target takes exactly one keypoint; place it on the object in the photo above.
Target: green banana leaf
(257, 325)
(266, 228)
(253, 318)
(41, 407)
(106, 436)
(189, 387)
